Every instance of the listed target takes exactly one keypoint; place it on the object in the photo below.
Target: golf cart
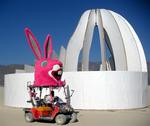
(49, 108)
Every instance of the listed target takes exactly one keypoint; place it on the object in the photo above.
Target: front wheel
(73, 117)
(60, 119)
(29, 117)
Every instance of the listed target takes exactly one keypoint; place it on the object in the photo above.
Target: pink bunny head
(48, 71)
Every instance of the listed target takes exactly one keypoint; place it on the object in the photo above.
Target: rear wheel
(29, 117)
(60, 119)
(73, 117)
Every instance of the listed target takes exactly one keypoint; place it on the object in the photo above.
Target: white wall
(28, 68)
(93, 90)
(148, 95)
(19, 71)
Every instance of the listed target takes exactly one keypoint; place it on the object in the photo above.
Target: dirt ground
(138, 117)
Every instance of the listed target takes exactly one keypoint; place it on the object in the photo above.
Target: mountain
(7, 69)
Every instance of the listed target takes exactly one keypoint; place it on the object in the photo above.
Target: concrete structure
(115, 32)
(27, 69)
(93, 90)
(62, 55)
(125, 87)
(54, 55)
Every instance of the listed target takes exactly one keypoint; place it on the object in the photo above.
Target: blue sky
(60, 18)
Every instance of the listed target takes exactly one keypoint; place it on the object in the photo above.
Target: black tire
(73, 117)
(29, 117)
(60, 119)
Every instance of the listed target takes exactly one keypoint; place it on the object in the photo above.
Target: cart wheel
(73, 117)
(29, 117)
(60, 119)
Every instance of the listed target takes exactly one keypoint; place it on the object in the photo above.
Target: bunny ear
(48, 49)
(33, 43)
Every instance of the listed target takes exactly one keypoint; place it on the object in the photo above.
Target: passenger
(52, 99)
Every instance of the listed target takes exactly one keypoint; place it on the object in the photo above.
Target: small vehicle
(50, 108)
(48, 72)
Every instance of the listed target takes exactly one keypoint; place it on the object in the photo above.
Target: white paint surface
(93, 90)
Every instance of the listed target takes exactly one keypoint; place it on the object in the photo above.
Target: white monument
(121, 85)
(115, 32)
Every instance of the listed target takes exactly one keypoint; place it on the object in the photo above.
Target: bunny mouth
(56, 73)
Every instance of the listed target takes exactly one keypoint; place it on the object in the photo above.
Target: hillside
(7, 69)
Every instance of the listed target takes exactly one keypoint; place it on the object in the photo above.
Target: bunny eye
(44, 63)
(56, 67)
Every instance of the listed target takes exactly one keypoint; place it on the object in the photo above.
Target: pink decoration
(48, 71)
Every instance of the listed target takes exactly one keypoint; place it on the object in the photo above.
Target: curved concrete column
(139, 46)
(140, 49)
(113, 31)
(88, 40)
(102, 39)
(132, 53)
(76, 43)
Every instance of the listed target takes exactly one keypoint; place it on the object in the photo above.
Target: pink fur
(47, 71)
(28, 32)
(48, 39)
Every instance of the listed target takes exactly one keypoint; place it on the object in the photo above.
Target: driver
(52, 99)
(48, 99)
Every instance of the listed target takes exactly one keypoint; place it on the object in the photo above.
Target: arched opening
(95, 53)
(95, 59)
(109, 53)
